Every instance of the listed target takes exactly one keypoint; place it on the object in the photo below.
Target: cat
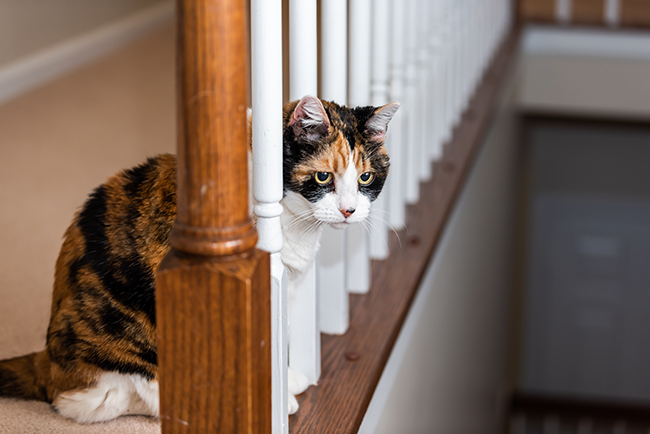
(100, 360)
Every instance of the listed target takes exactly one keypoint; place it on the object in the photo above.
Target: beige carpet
(31, 417)
(58, 143)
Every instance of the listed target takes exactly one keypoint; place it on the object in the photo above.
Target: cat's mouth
(340, 225)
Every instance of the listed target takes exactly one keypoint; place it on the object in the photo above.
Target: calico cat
(100, 360)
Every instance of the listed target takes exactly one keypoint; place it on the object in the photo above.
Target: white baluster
(304, 332)
(483, 16)
(412, 186)
(494, 31)
(357, 254)
(395, 139)
(330, 274)
(266, 95)
(563, 10)
(484, 37)
(612, 12)
(457, 20)
(479, 16)
(475, 46)
(450, 70)
(464, 20)
(303, 61)
(379, 96)
(436, 94)
(471, 53)
(334, 73)
(455, 42)
(423, 115)
(444, 88)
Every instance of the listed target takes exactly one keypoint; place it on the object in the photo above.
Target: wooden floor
(58, 143)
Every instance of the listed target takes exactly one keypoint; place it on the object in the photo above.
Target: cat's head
(335, 161)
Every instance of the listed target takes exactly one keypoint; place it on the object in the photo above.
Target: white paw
(293, 404)
(297, 382)
(94, 404)
(112, 396)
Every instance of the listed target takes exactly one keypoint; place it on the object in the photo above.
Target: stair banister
(213, 288)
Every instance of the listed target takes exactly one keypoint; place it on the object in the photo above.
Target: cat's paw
(297, 382)
(112, 396)
(293, 404)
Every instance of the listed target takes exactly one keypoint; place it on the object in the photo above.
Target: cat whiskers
(311, 228)
(375, 213)
(368, 225)
(301, 217)
(390, 214)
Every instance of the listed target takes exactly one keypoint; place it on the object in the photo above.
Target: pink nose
(347, 212)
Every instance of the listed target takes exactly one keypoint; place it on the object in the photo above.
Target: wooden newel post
(213, 288)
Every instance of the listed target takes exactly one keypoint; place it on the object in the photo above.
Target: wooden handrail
(354, 362)
(213, 288)
(623, 13)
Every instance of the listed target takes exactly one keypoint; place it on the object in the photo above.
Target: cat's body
(100, 361)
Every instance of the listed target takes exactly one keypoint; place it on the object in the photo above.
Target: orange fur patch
(334, 159)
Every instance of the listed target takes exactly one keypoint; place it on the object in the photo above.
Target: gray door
(588, 298)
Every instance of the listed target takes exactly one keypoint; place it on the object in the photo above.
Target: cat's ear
(309, 119)
(377, 125)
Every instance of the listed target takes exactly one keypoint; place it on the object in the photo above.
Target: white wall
(448, 372)
(28, 26)
(586, 72)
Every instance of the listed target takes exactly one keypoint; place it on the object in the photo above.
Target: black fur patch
(149, 355)
(67, 347)
(9, 383)
(313, 191)
(110, 364)
(128, 279)
(137, 176)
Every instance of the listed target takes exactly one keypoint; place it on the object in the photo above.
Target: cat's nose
(347, 212)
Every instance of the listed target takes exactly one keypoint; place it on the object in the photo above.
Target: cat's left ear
(377, 125)
(309, 119)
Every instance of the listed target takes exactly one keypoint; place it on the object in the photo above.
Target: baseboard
(33, 71)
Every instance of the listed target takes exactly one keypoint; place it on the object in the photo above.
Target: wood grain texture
(588, 11)
(213, 215)
(213, 288)
(635, 13)
(537, 10)
(214, 344)
(353, 363)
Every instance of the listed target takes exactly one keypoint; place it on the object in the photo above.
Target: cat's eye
(366, 178)
(323, 177)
